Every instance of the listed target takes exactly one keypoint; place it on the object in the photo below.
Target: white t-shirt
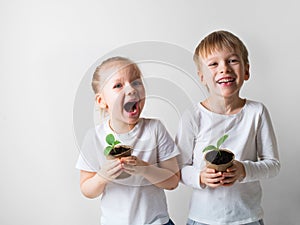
(251, 138)
(132, 200)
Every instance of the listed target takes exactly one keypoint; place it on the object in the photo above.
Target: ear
(201, 77)
(100, 101)
(247, 72)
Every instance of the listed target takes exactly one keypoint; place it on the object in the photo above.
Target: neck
(224, 106)
(120, 128)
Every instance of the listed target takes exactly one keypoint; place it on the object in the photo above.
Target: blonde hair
(114, 64)
(219, 40)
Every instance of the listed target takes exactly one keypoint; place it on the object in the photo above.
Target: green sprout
(112, 142)
(216, 148)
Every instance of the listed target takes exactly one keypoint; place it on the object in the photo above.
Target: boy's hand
(210, 177)
(233, 173)
(111, 169)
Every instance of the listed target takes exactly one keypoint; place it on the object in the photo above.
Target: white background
(46, 47)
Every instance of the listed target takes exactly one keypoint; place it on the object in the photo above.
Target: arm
(92, 184)
(267, 164)
(166, 175)
(185, 142)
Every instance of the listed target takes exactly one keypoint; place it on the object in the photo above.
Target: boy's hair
(113, 64)
(219, 40)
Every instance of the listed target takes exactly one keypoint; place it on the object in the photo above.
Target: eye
(118, 85)
(212, 64)
(136, 83)
(233, 61)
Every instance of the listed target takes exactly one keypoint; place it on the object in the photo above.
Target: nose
(224, 67)
(130, 90)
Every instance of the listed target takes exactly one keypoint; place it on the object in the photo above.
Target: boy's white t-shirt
(132, 200)
(251, 139)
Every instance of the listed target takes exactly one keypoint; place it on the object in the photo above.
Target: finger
(115, 175)
(228, 174)
(130, 161)
(210, 170)
(130, 170)
(214, 175)
(228, 181)
(115, 170)
(231, 169)
(128, 167)
(215, 180)
(112, 163)
(214, 185)
(109, 176)
(234, 167)
(133, 157)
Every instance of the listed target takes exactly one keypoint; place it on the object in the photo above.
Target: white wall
(47, 48)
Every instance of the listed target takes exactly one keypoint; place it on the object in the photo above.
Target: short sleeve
(165, 143)
(88, 159)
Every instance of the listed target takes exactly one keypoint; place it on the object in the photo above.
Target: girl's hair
(219, 40)
(108, 68)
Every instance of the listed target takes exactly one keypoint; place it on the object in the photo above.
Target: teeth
(225, 80)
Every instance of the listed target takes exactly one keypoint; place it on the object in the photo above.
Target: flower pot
(217, 161)
(118, 152)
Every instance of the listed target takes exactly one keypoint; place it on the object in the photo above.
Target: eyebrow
(117, 79)
(227, 56)
(234, 54)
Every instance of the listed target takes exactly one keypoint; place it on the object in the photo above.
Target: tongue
(130, 106)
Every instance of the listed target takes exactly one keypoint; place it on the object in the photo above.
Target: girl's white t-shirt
(251, 139)
(132, 200)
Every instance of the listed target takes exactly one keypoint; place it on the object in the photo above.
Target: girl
(140, 198)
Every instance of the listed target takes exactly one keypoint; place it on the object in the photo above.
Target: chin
(133, 121)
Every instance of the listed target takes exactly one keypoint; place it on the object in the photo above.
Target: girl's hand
(210, 177)
(111, 169)
(164, 175)
(233, 173)
(133, 165)
(92, 184)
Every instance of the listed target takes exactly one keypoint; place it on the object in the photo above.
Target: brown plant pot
(118, 152)
(217, 161)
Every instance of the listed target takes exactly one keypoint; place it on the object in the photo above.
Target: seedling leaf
(107, 150)
(210, 147)
(216, 148)
(116, 142)
(221, 140)
(110, 139)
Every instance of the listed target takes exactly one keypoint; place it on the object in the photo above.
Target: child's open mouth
(225, 80)
(131, 107)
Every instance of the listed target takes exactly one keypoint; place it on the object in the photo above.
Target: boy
(234, 196)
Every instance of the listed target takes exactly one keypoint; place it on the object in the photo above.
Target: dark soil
(216, 158)
(118, 150)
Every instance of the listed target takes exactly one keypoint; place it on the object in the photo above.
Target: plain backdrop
(46, 50)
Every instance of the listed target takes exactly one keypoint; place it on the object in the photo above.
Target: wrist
(143, 168)
(101, 178)
(202, 185)
(243, 174)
